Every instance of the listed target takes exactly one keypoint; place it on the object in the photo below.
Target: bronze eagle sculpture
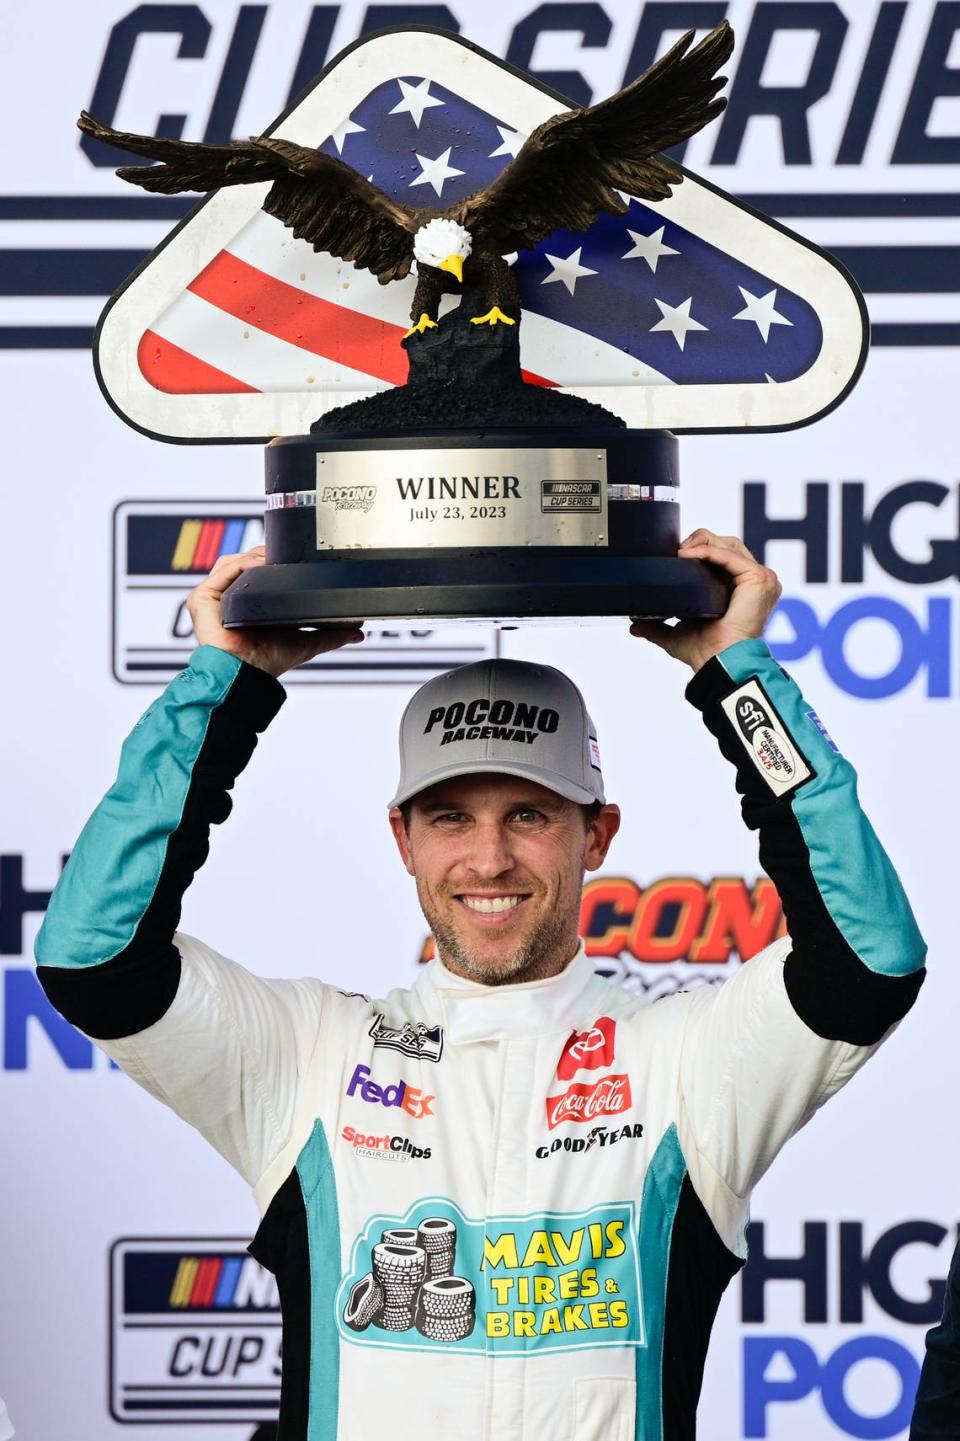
(572, 167)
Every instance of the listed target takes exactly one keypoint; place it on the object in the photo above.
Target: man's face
(499, 864)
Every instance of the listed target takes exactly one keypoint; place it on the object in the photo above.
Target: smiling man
(506, 1201)
(499, 812)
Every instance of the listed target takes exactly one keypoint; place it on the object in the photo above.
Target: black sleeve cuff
(711, 683)
(258, 695)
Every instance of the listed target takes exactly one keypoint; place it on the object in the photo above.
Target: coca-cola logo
(588, 1050)
(607, 1097)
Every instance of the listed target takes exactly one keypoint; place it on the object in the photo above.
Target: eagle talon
(491, 318)
(424, 323)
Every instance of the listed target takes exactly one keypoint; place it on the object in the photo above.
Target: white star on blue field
(637, 281)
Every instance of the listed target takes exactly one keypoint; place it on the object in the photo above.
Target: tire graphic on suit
(411, 1284)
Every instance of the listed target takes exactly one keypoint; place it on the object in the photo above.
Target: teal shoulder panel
(317, 1183)
(120, 851)
(855, 877)
(658, 1209)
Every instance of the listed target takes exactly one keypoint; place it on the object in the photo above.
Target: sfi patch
(768, 743)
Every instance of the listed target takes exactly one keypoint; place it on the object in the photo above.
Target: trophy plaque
(469, 321)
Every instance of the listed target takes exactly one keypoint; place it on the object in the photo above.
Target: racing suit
(545, 1186)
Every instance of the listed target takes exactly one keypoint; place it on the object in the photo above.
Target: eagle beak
(453, 263)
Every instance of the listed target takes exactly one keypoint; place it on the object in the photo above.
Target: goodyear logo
(223, 1362)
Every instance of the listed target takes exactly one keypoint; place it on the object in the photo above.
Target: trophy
(470, 321)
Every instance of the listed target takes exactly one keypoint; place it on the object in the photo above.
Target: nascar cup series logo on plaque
(468, 318)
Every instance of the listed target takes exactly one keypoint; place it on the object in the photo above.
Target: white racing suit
(494, 1214)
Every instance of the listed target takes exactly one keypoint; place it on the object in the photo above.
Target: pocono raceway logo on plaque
(194, 1332)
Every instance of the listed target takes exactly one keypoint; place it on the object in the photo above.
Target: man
(505, 1202)
(936, 1415)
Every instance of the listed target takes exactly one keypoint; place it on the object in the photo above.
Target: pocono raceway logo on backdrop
(874, 645)
(195, 1332)
(838, 123)
(676, 932)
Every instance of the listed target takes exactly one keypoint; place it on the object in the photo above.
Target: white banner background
(303, 878)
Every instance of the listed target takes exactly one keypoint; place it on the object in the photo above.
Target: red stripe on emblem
(344, 336)
(200, 1282)
(208, 546)
(176, 372)
(214, 1267)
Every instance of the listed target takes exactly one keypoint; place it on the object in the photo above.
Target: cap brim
(550, 779)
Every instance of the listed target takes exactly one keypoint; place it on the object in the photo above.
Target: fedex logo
(588, 1050)
(415, 1102)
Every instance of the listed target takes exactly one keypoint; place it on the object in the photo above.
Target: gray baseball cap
(503, 716)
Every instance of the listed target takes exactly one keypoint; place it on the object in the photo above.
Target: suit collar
(472, 1012)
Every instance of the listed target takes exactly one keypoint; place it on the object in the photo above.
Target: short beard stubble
(533, 960)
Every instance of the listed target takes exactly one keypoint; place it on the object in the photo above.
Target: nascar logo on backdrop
(692, 313)
(194, 1332)
(161, 550)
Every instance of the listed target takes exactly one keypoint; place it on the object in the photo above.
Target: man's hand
(271, 648)
(756, 591)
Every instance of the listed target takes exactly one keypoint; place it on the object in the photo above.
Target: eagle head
(444, 244)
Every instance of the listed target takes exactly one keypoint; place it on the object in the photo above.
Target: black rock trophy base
(463, 376)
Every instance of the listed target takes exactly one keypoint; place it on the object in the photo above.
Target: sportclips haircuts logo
(482, 719)
(384, 1148)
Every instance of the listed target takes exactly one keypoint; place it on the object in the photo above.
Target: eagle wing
(573, 165)
(321, 198)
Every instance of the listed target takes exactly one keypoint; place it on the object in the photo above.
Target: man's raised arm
(769, 1047)
(105, 951)
(187, 1024)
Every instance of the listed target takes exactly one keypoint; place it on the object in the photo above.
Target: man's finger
(735, 562)
(652, 630)
(733, 542)
(726, 542)
(227, 569)
(659, 633)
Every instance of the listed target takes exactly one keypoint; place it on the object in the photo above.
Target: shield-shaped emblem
(691, 314)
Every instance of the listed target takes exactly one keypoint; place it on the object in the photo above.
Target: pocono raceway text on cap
(500, 716)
